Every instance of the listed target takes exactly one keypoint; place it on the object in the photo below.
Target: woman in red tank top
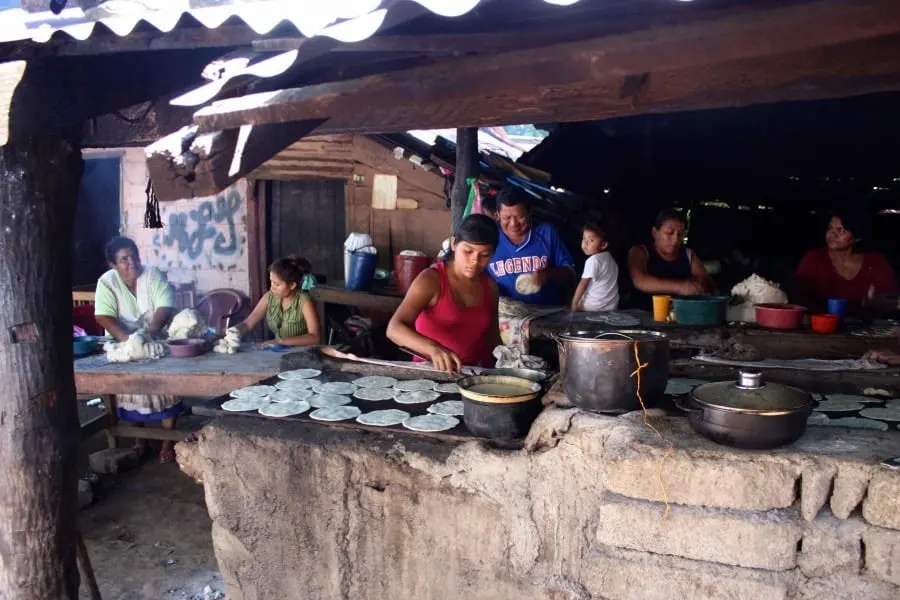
(449, 313)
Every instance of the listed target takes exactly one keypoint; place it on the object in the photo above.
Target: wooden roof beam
(761, 33)
(827, 73)
(186, 164)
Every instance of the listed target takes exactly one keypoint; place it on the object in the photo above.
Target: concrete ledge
(745, 539)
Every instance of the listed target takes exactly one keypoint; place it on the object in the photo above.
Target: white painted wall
(204, 240)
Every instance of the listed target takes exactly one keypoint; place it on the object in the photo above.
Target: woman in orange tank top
(449, 313)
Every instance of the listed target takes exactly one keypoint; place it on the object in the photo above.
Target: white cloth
(602, 292)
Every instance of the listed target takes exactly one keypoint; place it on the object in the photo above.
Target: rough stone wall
(204, 240)
(304, 511)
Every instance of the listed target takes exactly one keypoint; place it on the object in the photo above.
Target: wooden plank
(761, 33)
(384, 191)
(835, 72)
(381, 160)
(187, 165)
(328, 294)
(199, 384)
(313, 156)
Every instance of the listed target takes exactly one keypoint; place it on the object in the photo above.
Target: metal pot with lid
(598, 368)
(748, 413)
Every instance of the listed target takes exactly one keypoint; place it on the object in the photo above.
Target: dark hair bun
(291, 269)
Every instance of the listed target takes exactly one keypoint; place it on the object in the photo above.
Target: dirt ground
(148, 535)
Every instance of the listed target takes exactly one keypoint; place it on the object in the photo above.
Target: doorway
(97, 218)
(306, 217)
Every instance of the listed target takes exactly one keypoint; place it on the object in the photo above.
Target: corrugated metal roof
(343, 20)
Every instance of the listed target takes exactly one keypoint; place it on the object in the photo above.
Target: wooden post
(39, 431)
(466, 166)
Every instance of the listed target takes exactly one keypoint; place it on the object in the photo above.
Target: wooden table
(769, 343)
(205, 376)
(381, 299)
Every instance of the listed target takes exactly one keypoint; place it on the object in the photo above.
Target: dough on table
(253, 391)
(527, 284)
(451, 408)
(374, 394)
(326, 400)
(383, 418)
(817, 418)
(244, 404)
(375, 381)
(416, 397)
(335, 413)
(284, 409)
(431, 423)
(335, 387)
(300, 374)
(415, 385)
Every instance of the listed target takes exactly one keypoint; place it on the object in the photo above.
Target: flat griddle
(460, 433)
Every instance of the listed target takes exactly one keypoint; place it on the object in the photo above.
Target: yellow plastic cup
(661, 305)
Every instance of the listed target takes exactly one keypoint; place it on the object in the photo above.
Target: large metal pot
(748, 413)
(598, 368)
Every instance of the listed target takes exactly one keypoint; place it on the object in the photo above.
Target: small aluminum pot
(748, 413)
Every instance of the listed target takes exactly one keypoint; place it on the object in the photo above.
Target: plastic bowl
(779, 316)
(824, 323)
(187, 348)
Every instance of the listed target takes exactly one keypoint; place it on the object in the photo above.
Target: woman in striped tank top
(286, 307)
(449, 313)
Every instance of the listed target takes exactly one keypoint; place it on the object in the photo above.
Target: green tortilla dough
(416, 397)
(451, 408)
(284, 409)
(253, 391)
(375, 381)
(850, 398)
(244, 404)
(300, 374)
(290, 395)
(415, 385)
(839, 406)
(431, 423)
(383, 418)
(882, 414)
(335, 387)
(447, 388)
(335, 413)
(374, 394)
(326, 400)
(676, 387)
(297, 384)
(857, 423)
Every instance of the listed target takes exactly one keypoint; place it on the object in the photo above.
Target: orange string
(669, 446)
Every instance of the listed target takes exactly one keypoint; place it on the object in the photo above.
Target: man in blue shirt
(530, 262)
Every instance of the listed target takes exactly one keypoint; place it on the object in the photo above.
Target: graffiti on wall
(209, 231)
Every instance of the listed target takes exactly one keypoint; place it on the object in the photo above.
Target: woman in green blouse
(289, 313)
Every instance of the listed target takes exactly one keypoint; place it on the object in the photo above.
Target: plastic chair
(219, 307)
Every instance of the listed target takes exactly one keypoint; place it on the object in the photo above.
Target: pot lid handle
(749, 380)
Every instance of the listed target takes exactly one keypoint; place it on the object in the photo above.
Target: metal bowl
(531, 374)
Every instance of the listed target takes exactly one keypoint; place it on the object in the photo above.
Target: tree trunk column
(39, 427)
(466, 166)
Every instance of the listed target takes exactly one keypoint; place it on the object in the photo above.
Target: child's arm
(579, 293)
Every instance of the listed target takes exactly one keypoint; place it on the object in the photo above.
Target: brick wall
(204, 240)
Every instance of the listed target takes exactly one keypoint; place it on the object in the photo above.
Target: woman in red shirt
(839, 270)
(449, 313)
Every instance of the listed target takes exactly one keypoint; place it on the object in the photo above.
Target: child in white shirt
(598, 289)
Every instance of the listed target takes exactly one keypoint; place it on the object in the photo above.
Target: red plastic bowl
(779, 316)
(824, 323)
(187, 348)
